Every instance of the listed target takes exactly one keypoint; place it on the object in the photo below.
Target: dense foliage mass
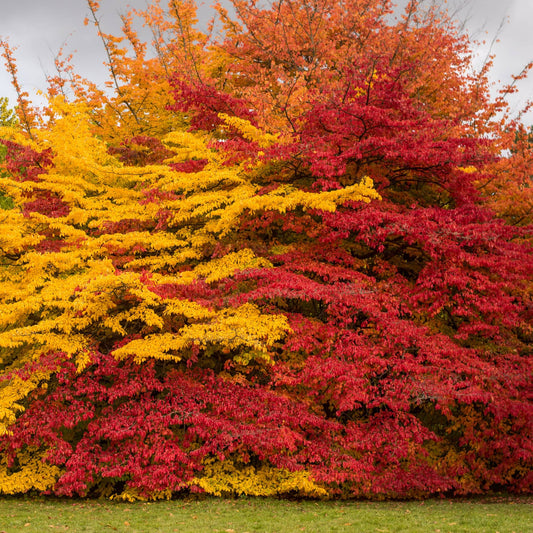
(291, 259)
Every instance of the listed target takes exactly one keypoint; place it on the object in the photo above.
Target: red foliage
(141, 150)
(151, 427)
(25, 164)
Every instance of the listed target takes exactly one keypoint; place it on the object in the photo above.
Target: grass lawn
(496, 514)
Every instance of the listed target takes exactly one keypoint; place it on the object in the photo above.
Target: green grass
(503, 515)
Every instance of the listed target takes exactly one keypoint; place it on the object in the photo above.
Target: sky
(39, 28)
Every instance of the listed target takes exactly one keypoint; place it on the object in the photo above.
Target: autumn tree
(263, 265)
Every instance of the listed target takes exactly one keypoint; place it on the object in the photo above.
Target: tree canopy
(289, 257)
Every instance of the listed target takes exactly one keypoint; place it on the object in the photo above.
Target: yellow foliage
(33, 474)
(244, 327)
(226, 266)
(130, 494)
(224, 478)
(187, 145)
(14, 237)
(468, 170)
(249, 132)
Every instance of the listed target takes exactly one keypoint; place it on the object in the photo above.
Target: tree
(272, 273)
(508, 187)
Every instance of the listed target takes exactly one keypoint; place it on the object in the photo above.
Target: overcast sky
(39, 28)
